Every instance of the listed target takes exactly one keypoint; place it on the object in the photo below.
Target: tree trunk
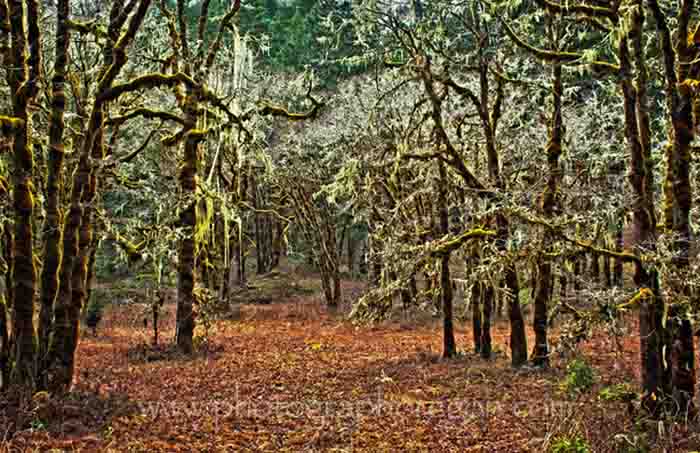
(413, 287)
(476, 316)
(4, 343)
(77, 237)
(518, 339)
(24, 85)
(595, 267)
(351, 256)
(607, 274)
(619, 245)
(540, 354)
(240, 256)
(375, 263)
(655, 382)
(188, 220)
(53, 229)
(577, 275)
(487, 303)
(449, 344)
(7, 298)
(677, 187)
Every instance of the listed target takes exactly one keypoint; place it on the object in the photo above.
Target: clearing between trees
(288, 375)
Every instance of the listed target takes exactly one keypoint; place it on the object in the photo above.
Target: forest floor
(289, 376)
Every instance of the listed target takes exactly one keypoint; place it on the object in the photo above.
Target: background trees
(469, 152)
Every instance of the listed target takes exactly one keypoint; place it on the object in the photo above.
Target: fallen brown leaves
(289, 377)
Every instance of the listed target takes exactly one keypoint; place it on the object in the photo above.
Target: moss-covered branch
(587, 11)
(587, 245)
(144, 82)
(92, 27)
(560, 56)
(145, 113)
(448, 246)
(641, 295)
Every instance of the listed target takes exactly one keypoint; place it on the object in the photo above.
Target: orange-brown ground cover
(291, 377)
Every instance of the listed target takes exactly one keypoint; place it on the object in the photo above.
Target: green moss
(454, 244)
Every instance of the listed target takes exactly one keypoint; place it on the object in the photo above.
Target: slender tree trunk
(259, 222)
(89, 281)
(533, 280)
(618, 271)
(487, 294)
(4, 343)
(540, 355)
(413, 287)
(476, 316)
(7, 298)
(240, 257)
(188, 220)
(278, 245)
(518, 339)
(607, 274)
(595, 267)
(577, 275)
(449, 344)
(375, 263)
(8, 249)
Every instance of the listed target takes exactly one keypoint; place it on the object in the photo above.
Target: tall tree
(24, 57)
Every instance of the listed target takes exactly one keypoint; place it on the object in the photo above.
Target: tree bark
(24, 78)
(487, 302)
(677, 187)
(53, 229)
(655, 376)
(540, 354)
(188, 220)
(476, 316)
(449, 344)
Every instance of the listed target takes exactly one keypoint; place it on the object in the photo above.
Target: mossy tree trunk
(77, 233)
(678, 64)
(184, 330)
(23, 77)
(53, 228)
(618, 276)
(655, 373)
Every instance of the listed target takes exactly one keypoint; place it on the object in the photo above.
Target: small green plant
(567, 444)
(37, 425)
(580, 377)
(617, 392)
